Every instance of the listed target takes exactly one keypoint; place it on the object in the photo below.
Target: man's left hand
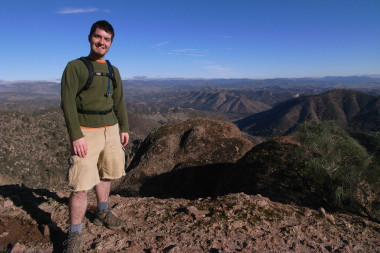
(124, 137)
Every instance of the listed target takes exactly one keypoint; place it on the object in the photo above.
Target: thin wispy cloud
(182, 51)
(160, 44)
(191, 52)
(77, 10)
(217, 69)
(185, 50)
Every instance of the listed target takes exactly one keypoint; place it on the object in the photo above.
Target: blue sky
(195, 38)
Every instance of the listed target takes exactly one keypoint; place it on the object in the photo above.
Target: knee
(79, 194)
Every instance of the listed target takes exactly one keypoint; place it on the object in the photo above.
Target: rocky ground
(35, 220)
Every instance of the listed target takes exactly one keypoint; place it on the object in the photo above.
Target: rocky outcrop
(283, 170)
(194, 143)
(268, 169)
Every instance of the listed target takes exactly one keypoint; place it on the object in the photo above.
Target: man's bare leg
(104, 215)
(103, 190)
(77, 206)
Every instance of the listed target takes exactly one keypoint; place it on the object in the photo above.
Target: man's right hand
(80, 147)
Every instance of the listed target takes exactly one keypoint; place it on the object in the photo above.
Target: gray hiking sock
(102, 206)
(76, 228)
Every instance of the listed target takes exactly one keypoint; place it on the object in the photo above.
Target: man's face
(100, 42)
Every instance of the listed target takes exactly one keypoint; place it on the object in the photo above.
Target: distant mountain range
(351, 109)
(160, 84)
(31, 87)
(208, 100)
(267, 107)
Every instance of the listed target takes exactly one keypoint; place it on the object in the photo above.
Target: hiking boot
(73, 243)
(108, 219)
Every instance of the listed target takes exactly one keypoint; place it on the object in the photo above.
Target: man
(96, 119)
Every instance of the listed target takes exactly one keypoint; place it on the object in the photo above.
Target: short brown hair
(104, 25)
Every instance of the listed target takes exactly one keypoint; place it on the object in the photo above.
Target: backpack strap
(111, 76)
(91, 74)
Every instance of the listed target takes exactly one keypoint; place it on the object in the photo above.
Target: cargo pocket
(72, 173)
(123, 155)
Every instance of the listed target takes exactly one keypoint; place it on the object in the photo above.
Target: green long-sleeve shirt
(95, 98)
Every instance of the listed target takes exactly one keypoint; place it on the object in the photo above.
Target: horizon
(196, 40)
(375, 77)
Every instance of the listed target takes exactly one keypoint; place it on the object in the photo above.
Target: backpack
(91, 74)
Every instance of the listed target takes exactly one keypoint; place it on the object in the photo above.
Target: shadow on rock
(189, 183)
(280, 184)
(29, 200)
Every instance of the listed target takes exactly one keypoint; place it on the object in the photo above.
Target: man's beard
(95, 55)
(98, 54)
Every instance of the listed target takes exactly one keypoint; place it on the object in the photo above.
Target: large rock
(194, 143)
(268, 169)
(281, 170)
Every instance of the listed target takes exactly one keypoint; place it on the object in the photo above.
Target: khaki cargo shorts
(105, 159)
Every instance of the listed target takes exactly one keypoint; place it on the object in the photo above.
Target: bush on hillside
(370, 140)
(338, 167)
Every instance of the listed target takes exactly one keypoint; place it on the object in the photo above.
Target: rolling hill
(351, 109)
(220, 101)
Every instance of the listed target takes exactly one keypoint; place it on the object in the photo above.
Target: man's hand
(124, 137)
(80, 147)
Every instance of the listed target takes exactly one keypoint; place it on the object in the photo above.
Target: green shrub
(337, 167)
(370, 140)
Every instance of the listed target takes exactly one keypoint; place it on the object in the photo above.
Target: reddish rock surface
(36, 221)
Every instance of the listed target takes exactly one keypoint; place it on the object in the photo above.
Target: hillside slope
(208, 100)
(351, 109)
(34, 148)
